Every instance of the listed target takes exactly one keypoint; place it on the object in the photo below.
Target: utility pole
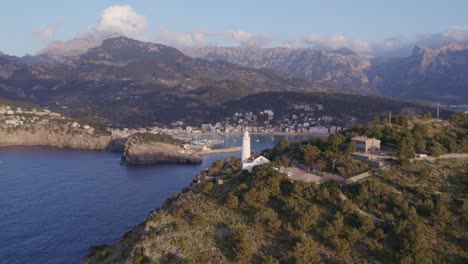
(438, 106)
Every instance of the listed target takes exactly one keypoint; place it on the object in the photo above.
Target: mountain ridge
(419, 76)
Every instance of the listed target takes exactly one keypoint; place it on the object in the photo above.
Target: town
(303, 119)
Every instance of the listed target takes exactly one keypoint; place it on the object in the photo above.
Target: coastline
(260, 134)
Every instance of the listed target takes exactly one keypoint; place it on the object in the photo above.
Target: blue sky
(371, 27)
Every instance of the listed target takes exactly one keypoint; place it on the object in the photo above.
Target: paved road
(301, 175)
(446, 156)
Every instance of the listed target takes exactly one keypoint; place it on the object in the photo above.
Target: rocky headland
(147, 148)
(29, 126)
(23, 126)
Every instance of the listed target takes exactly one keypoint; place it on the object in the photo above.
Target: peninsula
(412, 210)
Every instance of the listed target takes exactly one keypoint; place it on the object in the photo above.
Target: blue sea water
(55, 203)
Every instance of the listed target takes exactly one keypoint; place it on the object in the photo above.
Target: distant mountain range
(125, 81)
(122, 78)
(429, 74)
(341, 69)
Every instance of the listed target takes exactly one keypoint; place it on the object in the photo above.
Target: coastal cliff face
(28, 126)
(55, 138)
(137, 152)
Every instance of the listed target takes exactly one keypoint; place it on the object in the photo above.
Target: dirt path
(374, 218)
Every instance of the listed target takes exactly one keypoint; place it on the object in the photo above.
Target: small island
(148, 148)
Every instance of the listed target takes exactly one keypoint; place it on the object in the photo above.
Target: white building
(249, 158)
(367, 145)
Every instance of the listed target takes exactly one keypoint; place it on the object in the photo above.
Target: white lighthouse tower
(245, 147)
(250, 159)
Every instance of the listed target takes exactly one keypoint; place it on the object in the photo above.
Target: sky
(369, 27)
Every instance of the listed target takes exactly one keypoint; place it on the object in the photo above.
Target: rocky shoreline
(155, 153)
(132, 154)
(59, 138)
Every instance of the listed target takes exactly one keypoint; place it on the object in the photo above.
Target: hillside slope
(419, 216)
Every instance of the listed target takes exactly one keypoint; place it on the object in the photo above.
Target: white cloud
(393, 46)
(458, 34)
(181, 39)
(47, 33)
(338, 41)
(245, 38)
(118, 19)
(124, 20)
(199, 38)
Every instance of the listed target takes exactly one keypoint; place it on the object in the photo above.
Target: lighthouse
(245, 146)
(250, 159)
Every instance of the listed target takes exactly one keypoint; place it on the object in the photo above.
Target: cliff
(25, 125)
(152, 151)
(62, 138)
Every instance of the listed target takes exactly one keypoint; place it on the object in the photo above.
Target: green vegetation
(344, 109)
(263, 217)
(323, 155)
(413, 212)
(99, 127)
(411, 136)
(142, 105)
(460, 119)
(16, 103)
(222, 92)
(147, 137)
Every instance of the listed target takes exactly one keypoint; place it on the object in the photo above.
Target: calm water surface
(56, 203)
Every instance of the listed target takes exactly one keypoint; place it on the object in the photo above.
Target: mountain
(343, 51)
(28, 59)
(122, 58)
(341, 68)
(428, 74)
(68, 50)
(7, 67)
(127, 82)
(124, 79)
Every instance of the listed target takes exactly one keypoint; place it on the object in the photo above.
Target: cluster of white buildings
(17, 117)
(305, 118)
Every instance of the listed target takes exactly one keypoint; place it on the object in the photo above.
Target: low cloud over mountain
(118, 19)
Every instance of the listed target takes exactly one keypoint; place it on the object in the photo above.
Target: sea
(56, 203)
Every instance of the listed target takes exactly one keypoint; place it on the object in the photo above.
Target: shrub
(232, 201)
(304, 251)
(198, 219)
(267, 218)
(207, 186)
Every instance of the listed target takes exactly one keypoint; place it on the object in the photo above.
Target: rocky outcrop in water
(137, 152)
